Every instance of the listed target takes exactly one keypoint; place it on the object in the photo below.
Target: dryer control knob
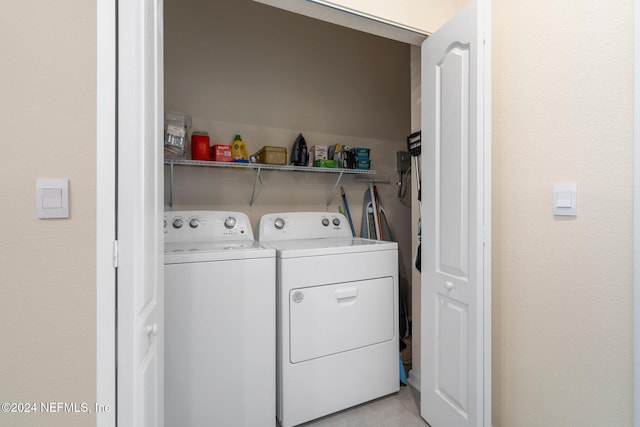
(279, 223)
(336, 221)
(177, 223)
(230, 222)
(194, 223)
(325, 222)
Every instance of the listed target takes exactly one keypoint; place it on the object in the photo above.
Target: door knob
(152, 331)
(448, 285)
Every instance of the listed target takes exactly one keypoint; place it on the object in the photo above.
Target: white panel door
(140, 387)
(452, 225)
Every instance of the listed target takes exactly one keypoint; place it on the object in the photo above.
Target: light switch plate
(52, 198)
(565, 199)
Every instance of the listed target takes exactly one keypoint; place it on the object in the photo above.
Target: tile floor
(400, 409)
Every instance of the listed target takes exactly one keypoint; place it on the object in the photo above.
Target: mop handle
(346, 208)
(375, 209)
(379, 212)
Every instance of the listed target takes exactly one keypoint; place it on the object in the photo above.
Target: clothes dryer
(337, 315)
(219, 321)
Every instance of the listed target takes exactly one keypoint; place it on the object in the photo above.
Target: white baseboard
(414, 379)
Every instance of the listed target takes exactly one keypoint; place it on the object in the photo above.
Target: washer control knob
(177, 223)
(194, 223)
(230, 222)
(279, 223)
(336, 221)
(325, 222)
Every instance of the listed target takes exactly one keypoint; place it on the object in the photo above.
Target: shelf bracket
(333, 190)
(255, 183)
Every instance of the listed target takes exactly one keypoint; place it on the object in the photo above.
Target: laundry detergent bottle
(239, 151)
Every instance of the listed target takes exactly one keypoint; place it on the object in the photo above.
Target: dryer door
(334, 318)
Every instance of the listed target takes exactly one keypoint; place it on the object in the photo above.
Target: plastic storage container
(272, 155)
(362, 163)
(200, 149)
(361, 152)
(176, 127)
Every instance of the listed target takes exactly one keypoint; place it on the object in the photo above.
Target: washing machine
(337, 315)
(220, 336)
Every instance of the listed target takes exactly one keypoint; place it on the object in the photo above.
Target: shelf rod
(373, 180)
(205, 163)
(258, 167)
(255, 183)
(333, 190)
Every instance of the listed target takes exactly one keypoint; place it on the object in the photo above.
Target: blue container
(361, 152)
(363, 163)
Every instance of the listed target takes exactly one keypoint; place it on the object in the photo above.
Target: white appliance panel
(303, 225)
(319, 387)
(206, 226)
(333, 246)
(220, 313)
(306, 271)
(330, 319)
(314, 388)
(337, 315)
(187, 252)
(220, 343)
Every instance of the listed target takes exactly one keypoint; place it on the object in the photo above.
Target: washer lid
(182, 252)
(332, 246)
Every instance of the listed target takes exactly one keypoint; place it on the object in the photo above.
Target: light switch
(52, 198)
(565, 199)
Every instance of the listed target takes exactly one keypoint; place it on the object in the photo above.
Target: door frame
(106, 131)
(106, 165)
(636, 216)
(484, 13)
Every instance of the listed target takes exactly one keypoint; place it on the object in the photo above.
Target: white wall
(47, 267)
(562, 287)
(266, 74)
